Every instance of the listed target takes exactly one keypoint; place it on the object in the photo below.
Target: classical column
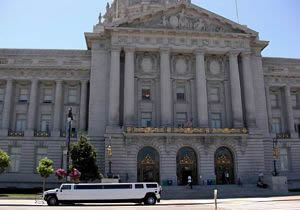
(58, 108)
(129, 87)
(165, 86)
(248, 90)
(114, 87)
(83, 105)
(7, 107)
(201, 89)
(31, 119)
(235, 87)
(289, 110)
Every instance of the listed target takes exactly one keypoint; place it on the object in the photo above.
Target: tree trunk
(44, 182)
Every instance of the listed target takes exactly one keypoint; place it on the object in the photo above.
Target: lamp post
(70, 118)
(109, 154)
(275, 154)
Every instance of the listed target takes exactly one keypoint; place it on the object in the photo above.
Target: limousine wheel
(52, 201)
(150, 200)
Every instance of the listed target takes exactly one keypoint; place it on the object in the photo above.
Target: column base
(4, 132)
(294, 135)
(29, 133)
(55, 133)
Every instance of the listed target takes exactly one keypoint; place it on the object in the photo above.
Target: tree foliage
(45, 169)
(4, 161)
(83, 156)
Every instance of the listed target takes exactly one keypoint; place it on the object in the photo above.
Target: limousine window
(139, 186)
(123, 186)
(88, 187)
(66, 187)
(151, 185)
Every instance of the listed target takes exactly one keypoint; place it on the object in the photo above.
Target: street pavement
(271, 203)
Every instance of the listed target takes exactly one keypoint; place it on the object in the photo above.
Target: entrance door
(224, 166)
(148, 165)
(186, 166)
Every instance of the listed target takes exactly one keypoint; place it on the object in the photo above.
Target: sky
(60, 24)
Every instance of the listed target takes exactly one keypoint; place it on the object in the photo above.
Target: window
(72, 95)
(118, 186)
(294, 100)
(15, 159)
(274, 97)
(214, 94)
(66, 187)
(40, 154)
(88, 187)
(1, 94)
(139, 186)
(47, 96)
(146, 119)
(276, 125)
(23, 95)
(146, 93)
(216, 120)
(0, 120)
(284, 160)
(45, 122)
(151, 185)
(181, 118)
(180, 93)
(21, 122)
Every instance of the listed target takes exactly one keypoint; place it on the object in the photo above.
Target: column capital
(129, 49)
(200, 51)
(115, 48)
(84, 81)
(246, 54)
(59, 81)
(34, 80)
(164, 50)
(233, 53)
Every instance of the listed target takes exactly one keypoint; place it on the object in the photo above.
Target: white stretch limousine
(148, 193)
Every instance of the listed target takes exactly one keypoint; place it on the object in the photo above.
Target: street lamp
(275, 154)
(70, 118)
(109, 154)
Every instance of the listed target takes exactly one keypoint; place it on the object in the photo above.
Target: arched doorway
(186, 161)
(148, 165)
(224, 166)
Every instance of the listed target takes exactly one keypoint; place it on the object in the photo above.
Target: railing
(15, 133)
(189, 130)
(64, 134)
(42, 134)
(283, 135)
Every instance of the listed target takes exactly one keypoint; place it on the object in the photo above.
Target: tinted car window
(139, 186)
(66, 187)
(87, 187)
(151, 185)
(123, 186)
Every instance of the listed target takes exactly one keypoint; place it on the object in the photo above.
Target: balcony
(42, 134)
(15, 133)
(64, 134)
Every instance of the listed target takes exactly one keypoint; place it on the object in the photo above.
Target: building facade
(173, 89)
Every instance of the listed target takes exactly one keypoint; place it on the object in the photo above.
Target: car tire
(150, 200)
(52, 201)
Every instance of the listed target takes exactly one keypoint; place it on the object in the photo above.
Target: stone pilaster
(269, 108)
(6, 116)
(129, 117)
(248, 90)
(235, 88)
(114, 87)
(31, 117)
(83, 105)
(289, 111)
(201, 89)
(58, 108)
(165, 86)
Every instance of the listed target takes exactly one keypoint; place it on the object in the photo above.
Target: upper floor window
(284, 160)
(216, 121)
(0, 120)
(47, 95)
(295, 100)
(214, 94)
(1, 94)
(40, 154)
(146, 93)
(21, 122)
(45, 122)
(15, 159)
(275, 100)
(180, 93)
(72, 95)
(276, 125)
(181, 119)
(23, 95)
(146, 119)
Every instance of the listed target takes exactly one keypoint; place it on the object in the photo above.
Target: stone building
(174, 89)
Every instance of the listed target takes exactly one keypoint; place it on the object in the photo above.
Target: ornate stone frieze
(181, 65)
(147, 63)
(216, 67)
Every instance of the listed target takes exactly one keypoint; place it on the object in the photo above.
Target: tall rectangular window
(294, 100)
(72, 95)
(2, 94)
(23, 95)
(146, 92)
(275, 100)
(181, 119)
(216, 121)
(284, 160)
(276, 125)
(146, 119)
(214, 94)
(45, 122)
(180, 93)
(15, 159)
(0, 120)
(47, 95)
(40, 154)
(21, 122)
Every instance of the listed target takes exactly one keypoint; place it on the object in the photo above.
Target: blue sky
(60, 24)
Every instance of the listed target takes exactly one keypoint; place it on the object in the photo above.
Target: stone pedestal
(29, 133)
(277, 183)
(3, 132)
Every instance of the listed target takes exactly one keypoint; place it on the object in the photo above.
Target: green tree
(4, 161)
(45, 169)
(83, 156)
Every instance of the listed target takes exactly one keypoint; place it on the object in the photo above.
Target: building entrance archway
(186, 161)
(224, 166)
(148, 165)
